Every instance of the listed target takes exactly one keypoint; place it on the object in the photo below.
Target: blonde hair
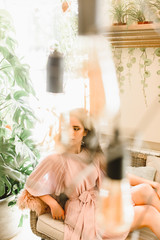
(90, 141)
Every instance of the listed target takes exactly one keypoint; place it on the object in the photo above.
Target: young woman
(70, 172)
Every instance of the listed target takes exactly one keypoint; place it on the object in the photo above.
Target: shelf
(139, 35)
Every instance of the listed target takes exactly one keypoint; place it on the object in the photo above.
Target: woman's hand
(56, 211)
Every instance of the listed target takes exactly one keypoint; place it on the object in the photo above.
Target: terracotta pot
(9, 219)
(145, 22)
(119, 24)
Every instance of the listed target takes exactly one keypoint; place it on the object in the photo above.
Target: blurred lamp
(92, 17)
(115, 210)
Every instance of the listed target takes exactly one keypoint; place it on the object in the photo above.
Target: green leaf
(11, 43)
(16, 115)
(9, 56)
(6, 147)
(9, 96)
(129, 65)
(120, 69)
(158, 72)
(133, 60)
(143, 49)
(3, 131)
(18, 94)
(147, 62)
(2, 188)
(130, 50)
(8, 184)
(21, 221)
(21, 76)
(157, 52)
(12, 203)
(122, 78)
(121, 90)
(147, 74)
(25, 134)
(14, 174)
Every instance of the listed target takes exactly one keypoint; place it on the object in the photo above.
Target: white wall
(134, 110)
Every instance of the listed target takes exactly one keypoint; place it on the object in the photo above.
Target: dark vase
(55, 69)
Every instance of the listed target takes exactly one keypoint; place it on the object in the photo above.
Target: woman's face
(77, 132)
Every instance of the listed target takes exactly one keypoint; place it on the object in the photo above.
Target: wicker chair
(138, 159)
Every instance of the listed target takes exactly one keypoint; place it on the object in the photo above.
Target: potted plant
(18, 153)
(119, 12)
(137, 12)
(154, 6)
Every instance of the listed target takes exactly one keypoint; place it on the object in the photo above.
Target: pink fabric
(56, 173)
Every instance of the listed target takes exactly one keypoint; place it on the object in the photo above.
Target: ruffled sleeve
(48, 176)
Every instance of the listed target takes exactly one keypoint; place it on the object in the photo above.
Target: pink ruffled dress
(59, 172)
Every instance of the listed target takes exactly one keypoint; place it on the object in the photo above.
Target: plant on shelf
(154, 8)
(18, 152)
(119, 12)
(137, 12)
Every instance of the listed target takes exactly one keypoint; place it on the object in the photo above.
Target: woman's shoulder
(52, 159)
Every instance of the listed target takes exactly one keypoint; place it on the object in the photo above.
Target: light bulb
(114, 209)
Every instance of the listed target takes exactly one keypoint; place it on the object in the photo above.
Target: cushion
(143, 234)
(50, 227)
(146, 172)
(154, 161)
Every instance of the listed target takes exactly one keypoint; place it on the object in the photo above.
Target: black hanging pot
(55, 70)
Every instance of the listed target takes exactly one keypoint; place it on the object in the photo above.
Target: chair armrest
(33, 225)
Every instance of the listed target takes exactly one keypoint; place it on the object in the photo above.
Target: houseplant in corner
(18, 153)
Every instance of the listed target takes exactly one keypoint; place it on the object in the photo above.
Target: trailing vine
(157, 53)
(144, 72)
(145, 62)
(117, 54)
(130, 62)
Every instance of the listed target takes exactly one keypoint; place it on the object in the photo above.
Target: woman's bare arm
(56, 210)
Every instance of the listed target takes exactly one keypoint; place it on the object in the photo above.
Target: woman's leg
(146, 216)
(144, 194)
